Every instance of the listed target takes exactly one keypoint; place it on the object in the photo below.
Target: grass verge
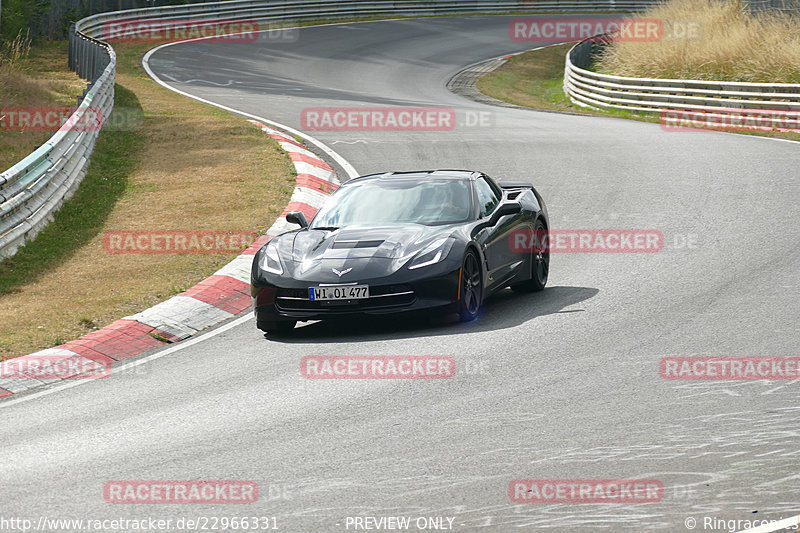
(82, 217)
(38, 78)
(172, 164)
(534, 79)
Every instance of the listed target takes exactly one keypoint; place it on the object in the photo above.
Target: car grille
(380, 296)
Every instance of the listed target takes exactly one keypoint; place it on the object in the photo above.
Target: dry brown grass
(35, 78)
(199, 169)
(534, 79)
(11, 52)
(734, 46)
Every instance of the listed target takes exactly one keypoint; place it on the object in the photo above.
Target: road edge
(214, 300)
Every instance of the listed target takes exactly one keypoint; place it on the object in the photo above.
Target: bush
(50, 19)
(18, 15)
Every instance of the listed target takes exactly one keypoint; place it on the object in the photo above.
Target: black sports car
(402, 241)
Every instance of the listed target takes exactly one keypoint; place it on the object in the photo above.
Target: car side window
(488, 198)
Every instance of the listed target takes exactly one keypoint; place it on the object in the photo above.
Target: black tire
(283, 326)
(540, 264)
(471, 296)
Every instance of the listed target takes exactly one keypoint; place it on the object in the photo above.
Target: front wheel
(470, 288)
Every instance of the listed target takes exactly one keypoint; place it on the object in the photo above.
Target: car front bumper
(290, 301)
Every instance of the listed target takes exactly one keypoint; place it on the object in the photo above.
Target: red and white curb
(215, 299)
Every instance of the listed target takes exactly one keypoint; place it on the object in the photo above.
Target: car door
(501, 262)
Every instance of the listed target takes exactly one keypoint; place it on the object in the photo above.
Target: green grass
(535, 79)
(532, 79)
(81, 217)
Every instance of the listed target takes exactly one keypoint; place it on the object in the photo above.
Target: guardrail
(786, 6)
(300, 10)
(718, 98)
(34, 188)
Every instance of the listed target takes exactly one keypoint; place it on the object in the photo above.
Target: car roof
(420, 175)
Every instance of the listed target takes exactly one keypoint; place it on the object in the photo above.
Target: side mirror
(507, 208)
(297, 217)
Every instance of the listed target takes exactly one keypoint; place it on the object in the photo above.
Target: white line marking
(226, 84)
(348, 168)
(178, 346)
(775, 526)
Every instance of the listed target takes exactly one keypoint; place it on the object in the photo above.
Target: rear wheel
(283, 326)
(540, 262)
(471, 287)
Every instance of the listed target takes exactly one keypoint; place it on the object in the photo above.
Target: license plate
(347, 292)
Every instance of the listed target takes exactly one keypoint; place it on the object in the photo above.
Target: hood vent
(356, 244)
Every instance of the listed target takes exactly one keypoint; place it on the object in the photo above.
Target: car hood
(369, 251)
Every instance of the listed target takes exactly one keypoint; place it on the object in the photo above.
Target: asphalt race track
(563, 384)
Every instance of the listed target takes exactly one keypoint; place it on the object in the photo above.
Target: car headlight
(270, 261)
(433, 253)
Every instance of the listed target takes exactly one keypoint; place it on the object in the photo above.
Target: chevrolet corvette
(434, 241)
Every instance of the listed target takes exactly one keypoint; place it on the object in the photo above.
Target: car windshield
(399, 201)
